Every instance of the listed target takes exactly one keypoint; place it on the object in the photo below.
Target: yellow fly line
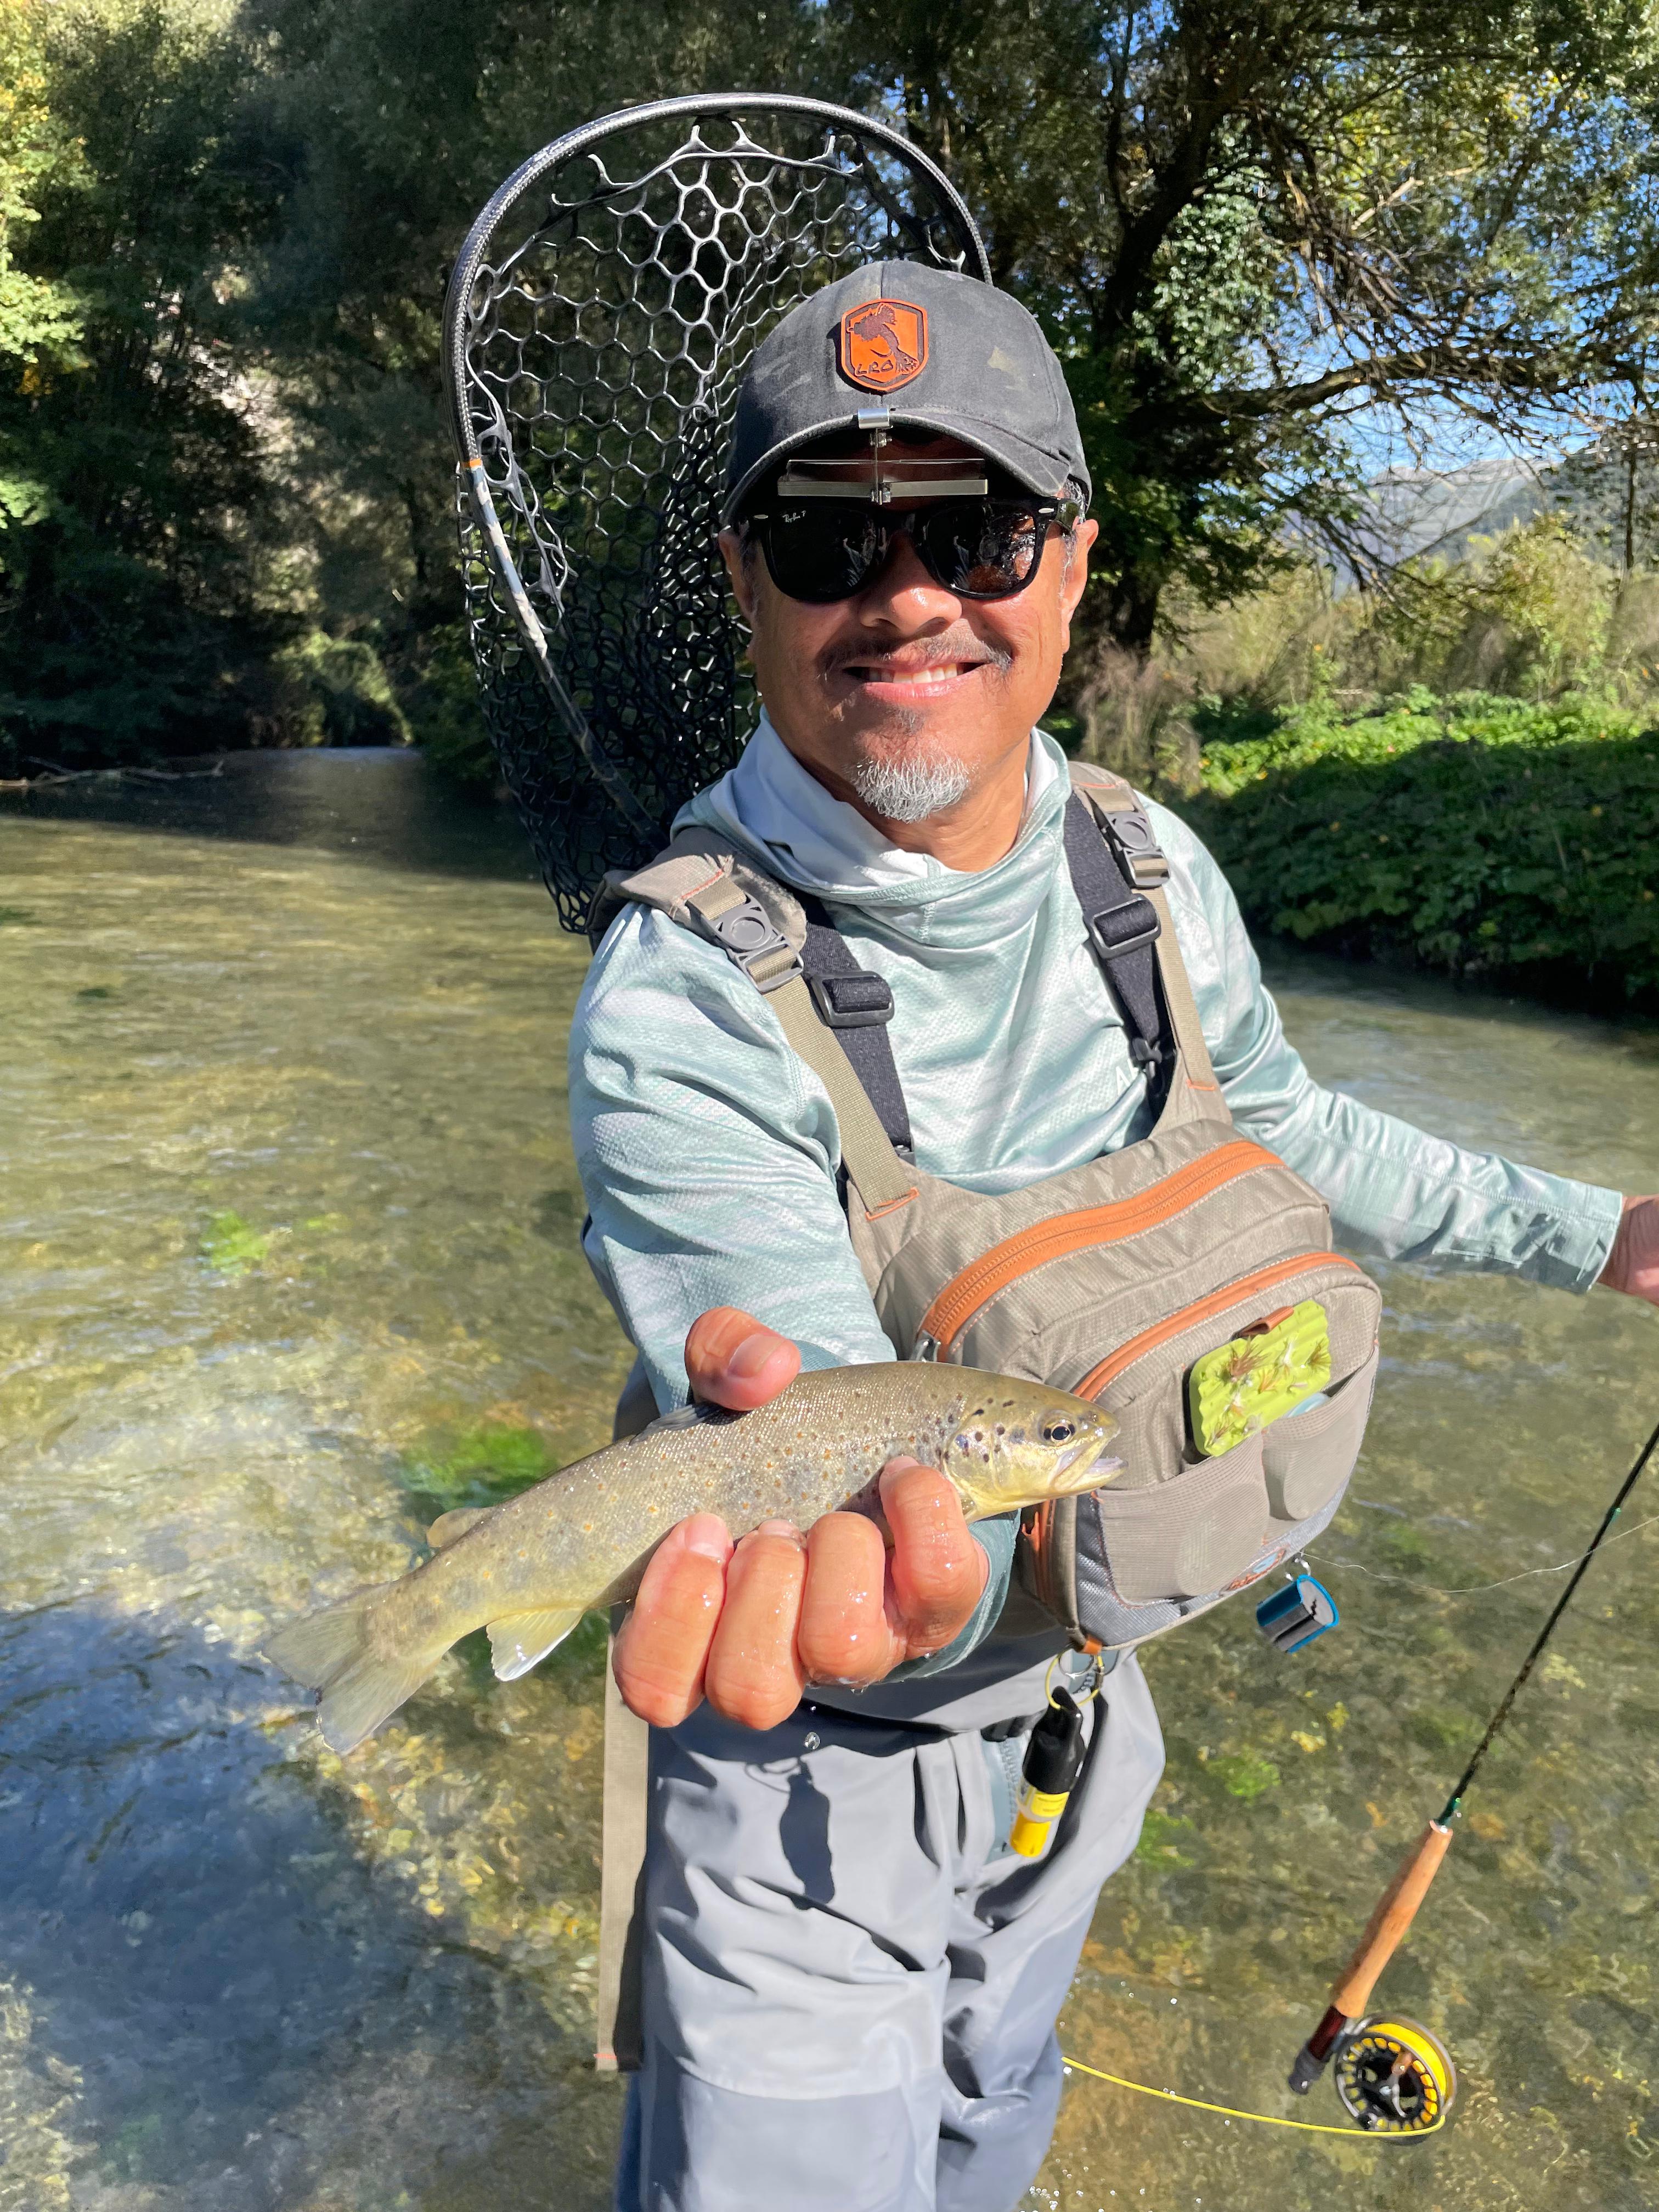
(1267, 2119)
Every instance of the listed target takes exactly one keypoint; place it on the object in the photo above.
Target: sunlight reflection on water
(289, 1238)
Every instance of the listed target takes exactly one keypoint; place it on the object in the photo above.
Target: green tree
(390, 123)
(129, 612)
(1240, 224)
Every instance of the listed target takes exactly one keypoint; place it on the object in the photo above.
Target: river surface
(287, 1263)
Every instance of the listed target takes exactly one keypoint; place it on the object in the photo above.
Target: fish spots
(587, 1527)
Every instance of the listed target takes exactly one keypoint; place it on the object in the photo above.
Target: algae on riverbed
(236, 1973)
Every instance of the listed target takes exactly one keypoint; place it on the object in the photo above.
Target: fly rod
(1393, 2074)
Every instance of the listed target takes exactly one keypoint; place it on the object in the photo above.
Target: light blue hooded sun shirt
(708, 1151)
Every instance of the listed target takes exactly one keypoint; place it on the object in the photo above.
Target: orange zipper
(1064, 1233)
(1264, 1278)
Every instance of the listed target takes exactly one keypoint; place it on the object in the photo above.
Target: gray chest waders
(1115, 1279)
(599, 318)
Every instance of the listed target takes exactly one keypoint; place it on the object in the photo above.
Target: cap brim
(1045, 473)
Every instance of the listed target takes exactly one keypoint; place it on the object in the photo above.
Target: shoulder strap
(1123, 927)
(1126, 830)
(701, 883)
(858, 1006)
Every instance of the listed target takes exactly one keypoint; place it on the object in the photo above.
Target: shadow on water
(374, 803)
(208, 1992)
(289, 1256)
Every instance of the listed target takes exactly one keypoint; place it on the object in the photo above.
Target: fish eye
(1059, 1432)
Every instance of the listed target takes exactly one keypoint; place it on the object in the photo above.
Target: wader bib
(1111, 1279)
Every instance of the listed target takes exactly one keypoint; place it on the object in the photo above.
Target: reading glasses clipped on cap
(900, 483)
(885, 484)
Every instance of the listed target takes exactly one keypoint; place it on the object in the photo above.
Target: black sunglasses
(826, 549)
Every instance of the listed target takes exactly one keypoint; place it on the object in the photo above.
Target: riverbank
(1479, 836)
(289, 1260)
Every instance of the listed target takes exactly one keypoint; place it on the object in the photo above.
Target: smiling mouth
(920, 675)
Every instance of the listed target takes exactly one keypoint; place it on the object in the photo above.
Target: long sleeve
(1394, 1190)
(707, 1154)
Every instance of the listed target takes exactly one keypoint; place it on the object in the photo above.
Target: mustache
(959, 643)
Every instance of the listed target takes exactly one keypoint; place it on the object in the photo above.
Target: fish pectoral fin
(448, 1526)
(520, 1641)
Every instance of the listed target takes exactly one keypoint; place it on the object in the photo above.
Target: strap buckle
(837, 1000)
(747, 936)
(1114, 943)
(1137, 848)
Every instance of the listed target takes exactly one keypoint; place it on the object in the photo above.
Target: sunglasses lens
(826, 551)
(984, 548)
(981, 548)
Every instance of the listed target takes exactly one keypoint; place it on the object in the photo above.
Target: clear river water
(287, 1262)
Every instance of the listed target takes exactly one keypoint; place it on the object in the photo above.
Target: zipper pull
(1052, 1759)
(924, 1347)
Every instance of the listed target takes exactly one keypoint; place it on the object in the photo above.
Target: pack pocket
(1307, 1457)
(1192, 1535)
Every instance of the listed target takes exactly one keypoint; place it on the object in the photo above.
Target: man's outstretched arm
(1394, 1190)
(748, 1626)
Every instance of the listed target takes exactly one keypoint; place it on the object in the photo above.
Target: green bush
(1475, 834)
(444, 712)
(334, 691)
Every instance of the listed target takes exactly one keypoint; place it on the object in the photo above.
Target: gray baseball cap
(939, 353)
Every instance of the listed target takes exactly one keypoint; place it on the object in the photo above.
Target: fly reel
(1395, 2077)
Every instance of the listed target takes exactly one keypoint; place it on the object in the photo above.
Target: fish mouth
(1088, 1466)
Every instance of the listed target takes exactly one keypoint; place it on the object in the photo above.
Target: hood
(797, 831)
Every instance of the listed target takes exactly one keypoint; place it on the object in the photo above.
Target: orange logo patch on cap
(883, 344)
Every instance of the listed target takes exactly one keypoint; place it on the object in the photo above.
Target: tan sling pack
(1109, 1279)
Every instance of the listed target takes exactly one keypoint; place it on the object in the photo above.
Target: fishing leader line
(1393, 2077)
(1474, 1589)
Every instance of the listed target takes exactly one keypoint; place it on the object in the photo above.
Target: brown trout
(529, 1569)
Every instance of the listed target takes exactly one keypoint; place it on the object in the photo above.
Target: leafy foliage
(1477, 835)
(127, 575)
(225, 495)
(1237, 224)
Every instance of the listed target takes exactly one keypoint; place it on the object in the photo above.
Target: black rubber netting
(599, 321)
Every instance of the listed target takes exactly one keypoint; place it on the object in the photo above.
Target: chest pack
(1176, 1281)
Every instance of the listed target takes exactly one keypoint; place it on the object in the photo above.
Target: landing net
(599, 322)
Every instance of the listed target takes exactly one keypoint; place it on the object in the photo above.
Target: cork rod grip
(1396, 1909)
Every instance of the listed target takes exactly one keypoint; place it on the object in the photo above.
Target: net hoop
(597, 323)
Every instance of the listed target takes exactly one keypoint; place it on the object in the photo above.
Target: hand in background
(1633, 1263)
(748, 1627)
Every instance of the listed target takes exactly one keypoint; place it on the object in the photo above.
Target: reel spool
(1395, 2077)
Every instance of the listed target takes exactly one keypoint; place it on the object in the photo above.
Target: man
(849, 1987)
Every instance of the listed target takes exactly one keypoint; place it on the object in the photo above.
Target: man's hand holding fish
(748, 1627)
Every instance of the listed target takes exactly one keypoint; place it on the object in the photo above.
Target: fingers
(1633, 1263)
(754, 1671)
(845, 1635)
(736, 1361)
(938, 1573)
(662, 1650)
(748, 1628)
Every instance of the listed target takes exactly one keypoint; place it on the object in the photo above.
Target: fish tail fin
(355, 1703)
(331, 1651)
(324, 1645)
(520, 1641)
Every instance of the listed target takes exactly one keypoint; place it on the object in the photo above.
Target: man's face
(908, 674)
